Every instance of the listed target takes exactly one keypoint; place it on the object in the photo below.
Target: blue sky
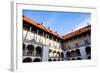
(62, 22)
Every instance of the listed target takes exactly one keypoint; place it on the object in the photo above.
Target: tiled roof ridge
(41, 26)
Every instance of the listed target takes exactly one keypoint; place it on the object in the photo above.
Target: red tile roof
(41, 26)
(77, 32)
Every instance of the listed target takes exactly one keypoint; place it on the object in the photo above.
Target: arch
(78, 52)
(73, 53)
(36, 60)
(50, 54)
(58, 54)
(54, 59)
(50, 60)
(27, 60)
(30, 49)
(68, 54)
(38, 51)
(50, 50)
(88, 50)
(54, 51)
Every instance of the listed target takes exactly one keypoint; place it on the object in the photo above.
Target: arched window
(27, 60)
(88, 50)
(78, 52)
(54, 53)
(73, 53)
(58, 54)
(30, 49)
(36, 60)
(38, 51)
(50, 53)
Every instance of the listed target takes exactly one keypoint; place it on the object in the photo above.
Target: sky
(62, 22)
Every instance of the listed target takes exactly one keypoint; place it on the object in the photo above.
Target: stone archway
(73, 54)
(38, 51)
(30, 49)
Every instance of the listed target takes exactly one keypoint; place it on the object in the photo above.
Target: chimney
(88, 24)
(56, 32)
(48, 27)
(42, 23)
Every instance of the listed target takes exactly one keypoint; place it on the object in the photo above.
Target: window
(38, 51)
(30, 49)
(88, 50)
(78, 52)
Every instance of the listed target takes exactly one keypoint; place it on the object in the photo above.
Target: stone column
(45, 53)
(83, 53)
